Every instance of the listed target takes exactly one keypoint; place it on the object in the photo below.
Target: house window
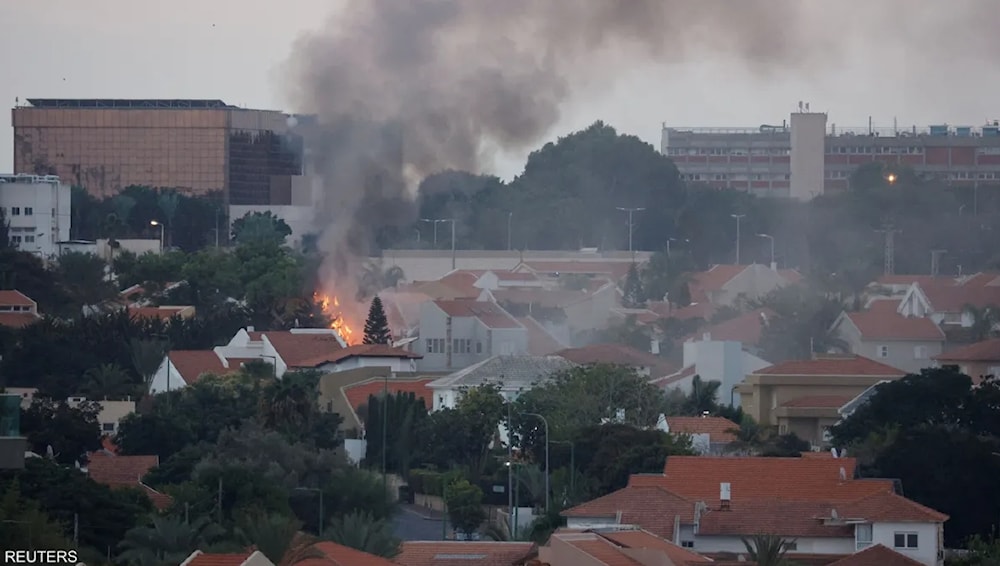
(791, 545)
(28, 211)
(461, 346)
(435, 345)
(863, 536)
(687, 543)
(904, 540)
(108, 427)
(920, 352)
(15, 211)
(29, 239)
(883, 351)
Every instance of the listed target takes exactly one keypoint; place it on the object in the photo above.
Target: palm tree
(360, 530)
(375, 277)
(167, 540)
(288, 402)
(278, 538)
(147, 355)
(768, 550)
(703, 396)
(106, 380)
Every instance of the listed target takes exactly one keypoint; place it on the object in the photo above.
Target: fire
(330, 305)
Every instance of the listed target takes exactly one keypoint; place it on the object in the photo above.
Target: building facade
(194, 146)
(804, 157)
(38, 211)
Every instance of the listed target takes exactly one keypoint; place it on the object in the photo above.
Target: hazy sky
(236, 50)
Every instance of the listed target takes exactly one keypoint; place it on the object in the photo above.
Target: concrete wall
(804, 545)
(43, 212)
(808, 158)
(928, 542)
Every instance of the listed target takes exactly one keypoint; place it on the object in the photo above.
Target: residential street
(414, 522)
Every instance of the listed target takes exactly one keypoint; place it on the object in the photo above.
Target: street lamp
(435, 221)
(548, 471)
(737, 217)
(630, 212)
(160, 224)
(320, 492)
(510, 216)
(769, 237)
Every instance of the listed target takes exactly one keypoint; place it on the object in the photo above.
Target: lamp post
(548, 471)
(320, 492)
(769, 237)
(572, 463)
(510, 216)
(160, 224)
(737, 217)
(434, 222)
(630, 211)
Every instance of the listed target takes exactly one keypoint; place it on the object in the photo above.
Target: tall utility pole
(890, 248)
(630, 211)
(738, 217)
(936, 261)
(510, 216)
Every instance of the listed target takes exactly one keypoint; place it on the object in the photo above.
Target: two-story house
(17, 310)
(804, 396)
(726, 285)
(975, 360)
(513, 374)
(709, 504)
(883, 333)
(458, 334)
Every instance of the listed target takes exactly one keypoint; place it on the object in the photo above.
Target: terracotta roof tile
(884, 305)
(117, 471)
(954, 299)
(304, 349)
(819, 401)
(705, 282)
(490, 314)
(462, 282)
(718, 429)
(192, 364)
(847, 365)
(18, 319)
(161, 501)
(643, 539)
(652, 507)
(463, 553)
(206, 559)
(340, 555)
(618, 354)
(880, 325)
(14, 298)
(985, 351)
(357, 394)
(602, 550)
(773, 517)
(877, 555)
(540, 342)
(745, 328)
(888, 507)
(616, 269)
(797, 479)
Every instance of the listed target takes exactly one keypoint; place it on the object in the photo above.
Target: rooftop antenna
(890, 247)
(807, 106)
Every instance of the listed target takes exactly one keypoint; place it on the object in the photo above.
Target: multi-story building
(802, 158)
(194, 146)
(37, 210)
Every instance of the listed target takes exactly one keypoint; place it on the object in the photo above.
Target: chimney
(249, 329)
(725, 495)
(774, 266)
(654, 346)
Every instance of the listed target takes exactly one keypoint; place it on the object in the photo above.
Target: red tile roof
(830, 365)
(545, 298)
(462, 282)
(643, 539)
(745, 328)
(667, 380)
(357, 394)
(795, 479)
(540, 342)
(490, 314)
(718, 429)
(339, 555)
(116, 471)
(161, 501)
(890, 507)
(884, 305)
(205, 559)
(601, 550)
(458, 553)
(18, 319)
(773, 517)
(15, 298)
(371, 351)
(954, 299)
(922, 280)
(616, 269)
(304, 349)
(653, 507)
(819, 401)
(618, 354)
(877, 555)
(192, 364)
(985, 351)
(881, 325)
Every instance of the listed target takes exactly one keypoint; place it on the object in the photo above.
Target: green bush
(427, 482)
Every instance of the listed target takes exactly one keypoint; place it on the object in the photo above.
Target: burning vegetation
(330, 305)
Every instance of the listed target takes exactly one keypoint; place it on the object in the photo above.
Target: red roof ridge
(985, 350)
(876, 555)
(826, 365)
(15, 298)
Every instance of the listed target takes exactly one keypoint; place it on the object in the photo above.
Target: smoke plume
(403, 89)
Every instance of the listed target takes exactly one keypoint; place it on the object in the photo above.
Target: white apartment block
(38, 211)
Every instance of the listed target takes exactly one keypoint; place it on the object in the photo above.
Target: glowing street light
(160, 224)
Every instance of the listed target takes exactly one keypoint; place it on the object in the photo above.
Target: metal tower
(890, 248)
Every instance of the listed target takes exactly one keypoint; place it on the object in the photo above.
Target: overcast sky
(235, 51)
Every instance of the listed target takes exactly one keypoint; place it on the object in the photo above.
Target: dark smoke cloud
(406, 88)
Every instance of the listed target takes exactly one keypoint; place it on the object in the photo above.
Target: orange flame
(330, 306)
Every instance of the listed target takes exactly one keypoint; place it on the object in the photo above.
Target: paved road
(418, 523)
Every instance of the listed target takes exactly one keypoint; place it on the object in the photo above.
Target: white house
(709, 504)
(457, 334)
(38, 209)
(724, 361)
(513, 374)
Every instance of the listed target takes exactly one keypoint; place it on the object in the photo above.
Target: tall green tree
(404, 417)
(377, 324)
(260, 229)
(70, 431)
(633, 296)
(168, 540)
(25, 526)
(465, 506)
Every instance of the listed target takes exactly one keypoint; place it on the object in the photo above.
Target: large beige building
(194, 146)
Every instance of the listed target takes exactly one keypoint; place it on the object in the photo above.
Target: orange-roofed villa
(709, 504)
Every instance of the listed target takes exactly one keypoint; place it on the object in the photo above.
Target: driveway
(413, 522)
